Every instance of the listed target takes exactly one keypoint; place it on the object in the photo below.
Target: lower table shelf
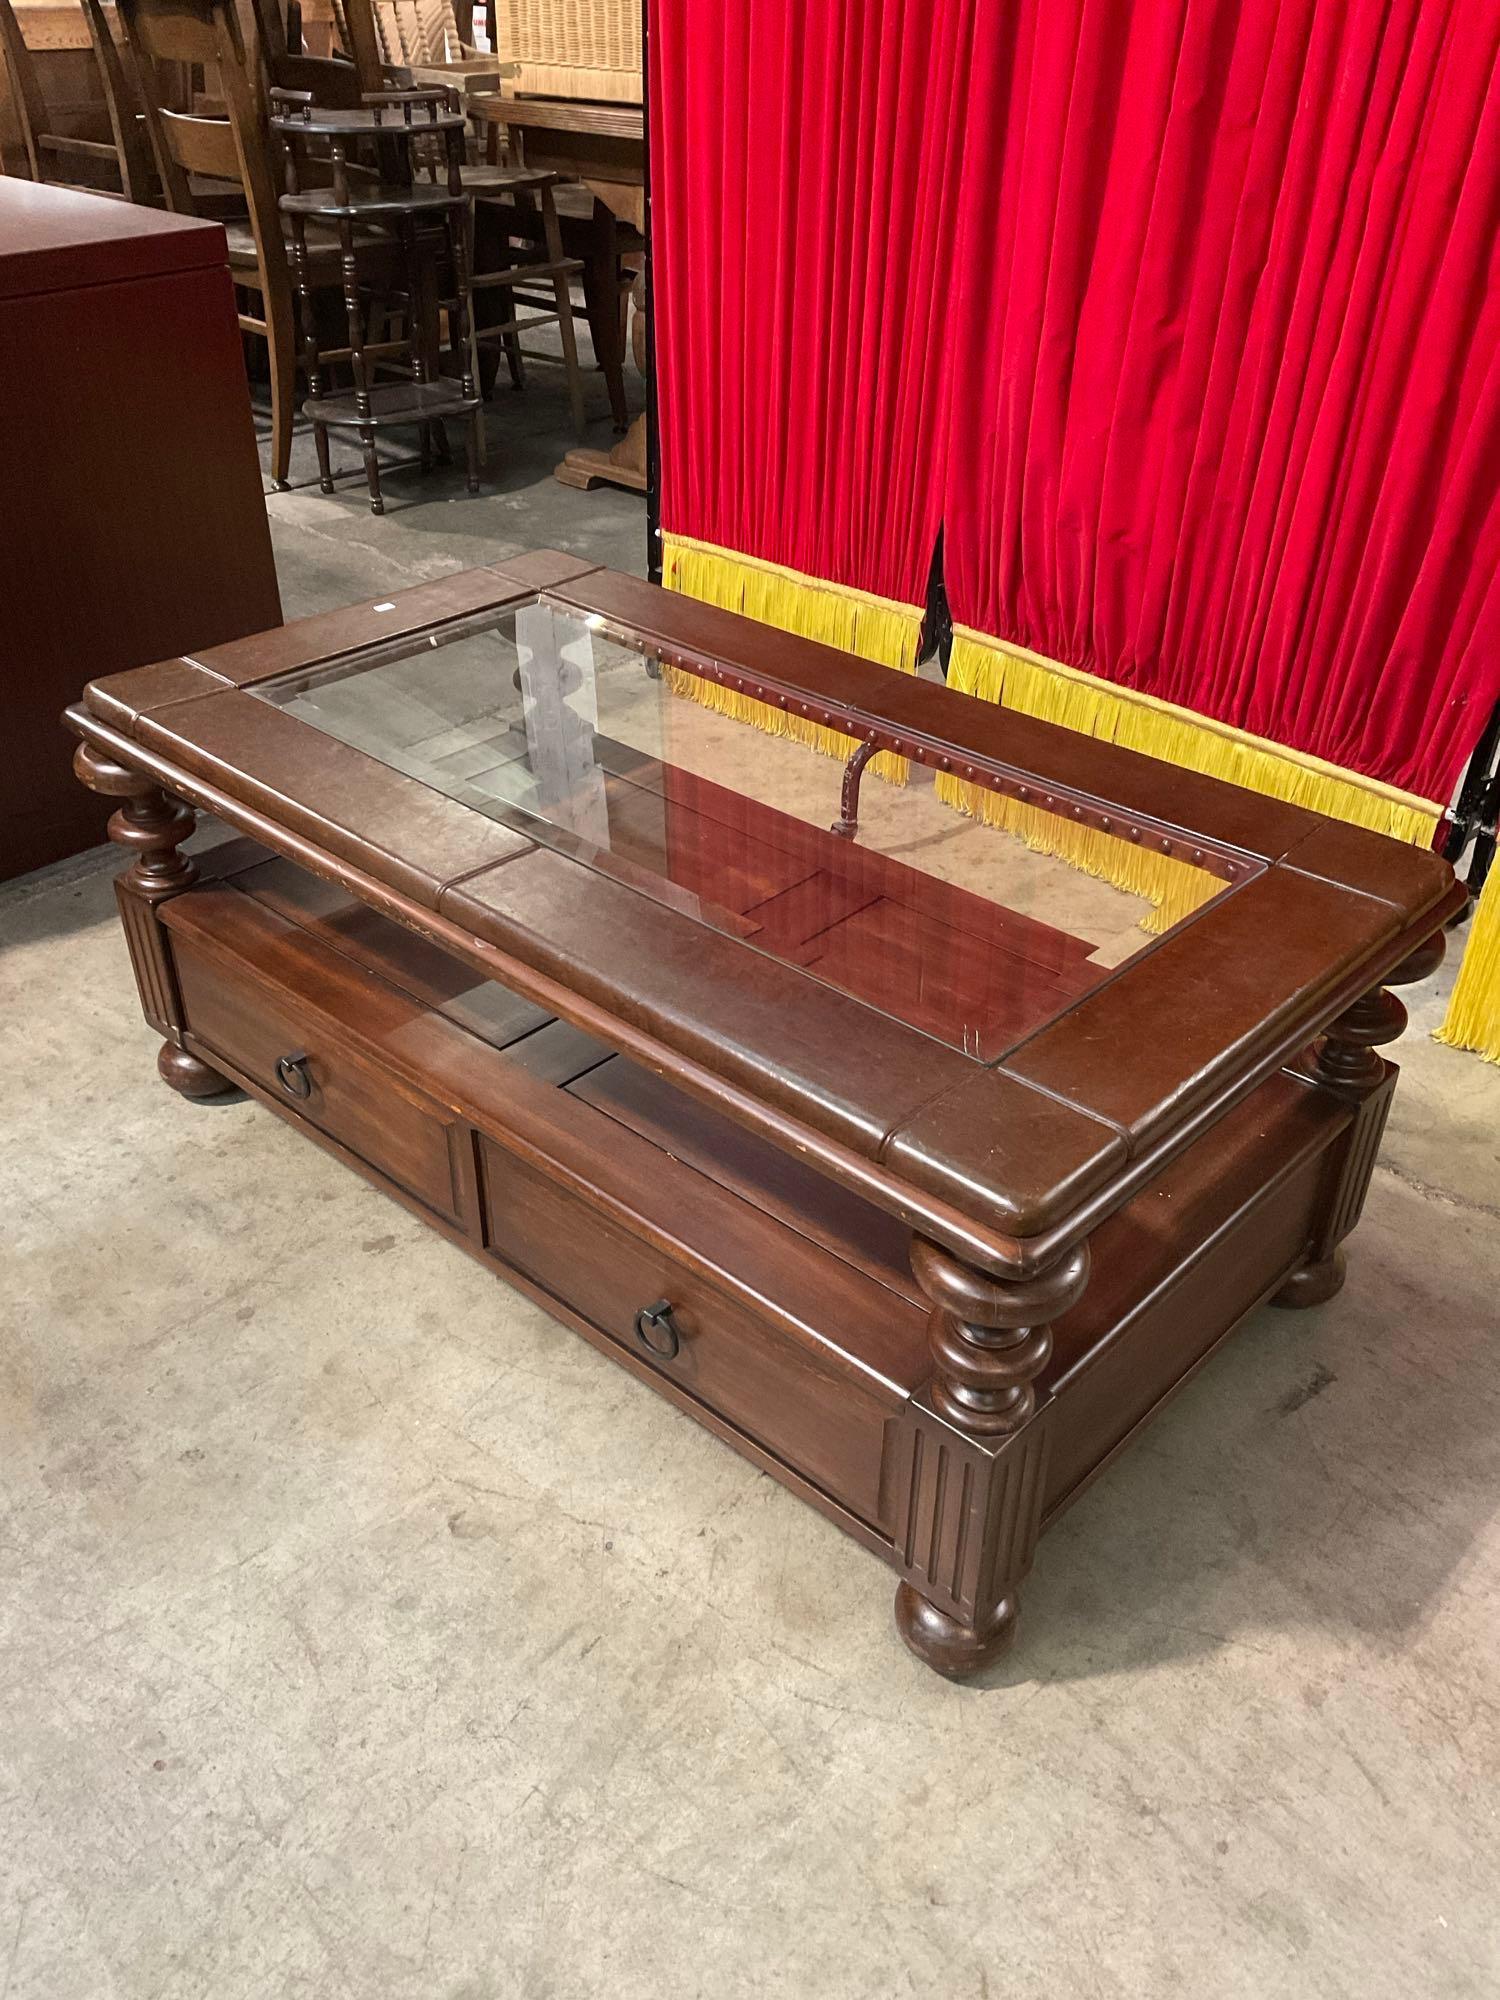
(770, 1304)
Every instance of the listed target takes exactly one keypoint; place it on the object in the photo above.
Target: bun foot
(951, 1649)
(1312, 1285)
(185, 1073)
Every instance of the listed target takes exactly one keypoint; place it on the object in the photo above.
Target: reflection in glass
(552, 722)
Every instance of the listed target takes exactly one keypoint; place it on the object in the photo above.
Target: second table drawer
(754, 1362)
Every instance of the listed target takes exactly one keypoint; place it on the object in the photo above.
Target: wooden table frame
(1227, 1078)
(604, 146)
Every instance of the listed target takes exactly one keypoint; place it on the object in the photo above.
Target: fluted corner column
(151, 828)
(1348, 1063)
(976, 1455)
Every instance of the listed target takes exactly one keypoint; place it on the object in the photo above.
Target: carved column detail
(973, 1470)
(1347, 1062)
(151, 827)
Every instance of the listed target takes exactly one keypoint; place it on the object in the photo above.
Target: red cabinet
(132, 517)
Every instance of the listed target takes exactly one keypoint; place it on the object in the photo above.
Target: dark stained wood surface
(942, 1416)
(768, 1367)
(56, 239)
(1026, 1150)
(132, 526)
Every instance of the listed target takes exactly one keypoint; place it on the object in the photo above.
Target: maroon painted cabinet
(132, 517)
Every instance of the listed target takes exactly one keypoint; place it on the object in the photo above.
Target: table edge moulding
(933, 1296)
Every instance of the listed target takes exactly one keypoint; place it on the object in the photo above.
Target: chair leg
(564, 296)
(325, 463)
(281, 346)
(372, 471)
(475, 445)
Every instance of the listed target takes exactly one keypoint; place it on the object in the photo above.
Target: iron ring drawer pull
(655, 1331)
(292, 1074)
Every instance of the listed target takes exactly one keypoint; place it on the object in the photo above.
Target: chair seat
(486, 181)
(323, 252)
(373, 199)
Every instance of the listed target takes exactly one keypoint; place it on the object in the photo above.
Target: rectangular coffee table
(908, 1159)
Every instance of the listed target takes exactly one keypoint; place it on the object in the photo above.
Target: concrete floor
(364, 1634)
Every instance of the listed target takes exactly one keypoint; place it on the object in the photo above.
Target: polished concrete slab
(363, 1633)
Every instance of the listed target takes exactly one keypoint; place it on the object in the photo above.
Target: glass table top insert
(550, 721)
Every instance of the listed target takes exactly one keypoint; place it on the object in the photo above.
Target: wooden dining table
(604, 147)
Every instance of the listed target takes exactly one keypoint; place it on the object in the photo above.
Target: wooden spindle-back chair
(235, 151)
(126, 152)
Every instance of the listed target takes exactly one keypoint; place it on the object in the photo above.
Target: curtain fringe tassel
(877, 628)
(887, 632)
(1473, 1020)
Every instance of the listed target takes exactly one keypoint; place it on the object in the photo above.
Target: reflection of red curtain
(799, 183)
(1226, 387)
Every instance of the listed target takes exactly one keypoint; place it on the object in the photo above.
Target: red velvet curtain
(805, 164)
(1226, 378)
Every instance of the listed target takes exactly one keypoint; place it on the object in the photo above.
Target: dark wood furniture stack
(427, 221)
(132, 522)
(926, 1230)
(212, 163)
(519, 253)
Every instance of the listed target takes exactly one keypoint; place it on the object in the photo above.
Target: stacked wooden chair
(204, 159)
(187, 99)
(120, 166)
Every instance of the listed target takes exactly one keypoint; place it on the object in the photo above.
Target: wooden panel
(1160, 1323)
(139, 528)
(794, 1193)
(760, 1370)
(969, 1509)
(1142, 1050)
(231, 1010)
(148, 958)
(58, 240)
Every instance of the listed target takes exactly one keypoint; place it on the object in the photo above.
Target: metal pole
(1468, 816)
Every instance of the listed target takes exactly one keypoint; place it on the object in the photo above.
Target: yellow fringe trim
(877, 628)
(883, 630)
(1020, 679)
(1174, 889)
(1473, 1018)
(1016, 678)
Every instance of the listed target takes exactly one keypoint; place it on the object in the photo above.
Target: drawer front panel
(768, 1376)
(353, 1101)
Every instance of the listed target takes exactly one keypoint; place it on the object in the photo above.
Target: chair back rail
(234, 148)
(45, 147)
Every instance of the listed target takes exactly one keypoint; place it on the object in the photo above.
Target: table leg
(975, 1463)
(152, 827)
(1347, 1063)
(626, 464)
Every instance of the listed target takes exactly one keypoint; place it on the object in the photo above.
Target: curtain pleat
(805, 181)
(1223, 409)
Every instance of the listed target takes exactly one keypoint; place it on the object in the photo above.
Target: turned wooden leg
(1347, 1063)
(185, 1073)
(976, 1441)
(152, 828)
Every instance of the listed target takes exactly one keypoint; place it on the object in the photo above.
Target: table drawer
(756, 1363)
(260, 1028)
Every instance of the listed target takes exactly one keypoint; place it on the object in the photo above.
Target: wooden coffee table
(898, 1155)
